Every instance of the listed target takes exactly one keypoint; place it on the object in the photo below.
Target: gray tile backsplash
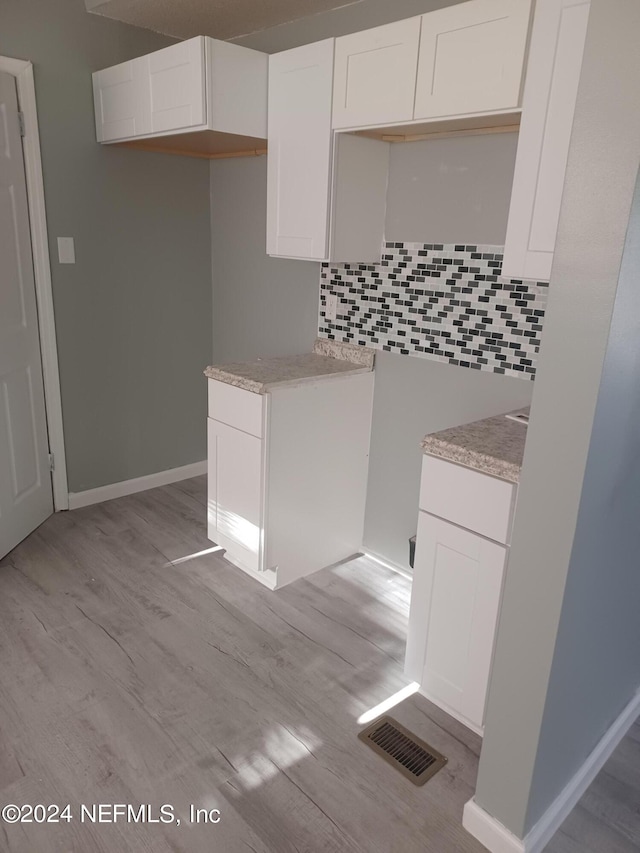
(446, 302)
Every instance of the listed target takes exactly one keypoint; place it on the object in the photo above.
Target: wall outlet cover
(66, 250)
(332, 306)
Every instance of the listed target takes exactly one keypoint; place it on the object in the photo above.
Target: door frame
(22, 70)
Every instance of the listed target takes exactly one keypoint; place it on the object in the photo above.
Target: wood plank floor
(129, 674)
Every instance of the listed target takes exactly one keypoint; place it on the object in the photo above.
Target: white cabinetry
(458, 580)
(235, 491)
(299, 158)
(195, 85)
(464, 60)
(555, 61)
(461, 554)
(375, 75)
(471, 58)
(287, 474)
(177, 86)
(121, 98)
(326, 195)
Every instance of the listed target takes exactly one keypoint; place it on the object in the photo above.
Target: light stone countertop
(492, 446)
(328, 359)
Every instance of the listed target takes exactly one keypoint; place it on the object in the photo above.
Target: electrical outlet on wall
(331, 311)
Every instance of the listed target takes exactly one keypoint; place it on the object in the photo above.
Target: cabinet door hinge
(52, 462)
(21, 123)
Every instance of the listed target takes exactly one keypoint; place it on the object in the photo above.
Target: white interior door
(25, 480)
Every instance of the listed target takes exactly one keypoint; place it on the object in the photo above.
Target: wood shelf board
(463, 126)
(206, 144)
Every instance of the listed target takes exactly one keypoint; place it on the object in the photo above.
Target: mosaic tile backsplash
(446, 302)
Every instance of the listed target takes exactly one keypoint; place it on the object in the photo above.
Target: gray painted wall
(266, 306)
(599, 631)
(451, 190)
(262, 306)
(133, 314)
(414, 396)
(566, 660)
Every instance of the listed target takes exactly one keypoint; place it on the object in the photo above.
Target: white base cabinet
(457, 586)
(287, 475)
(456, 589)
(555, 62)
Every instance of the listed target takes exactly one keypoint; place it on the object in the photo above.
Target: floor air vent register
(411, 756)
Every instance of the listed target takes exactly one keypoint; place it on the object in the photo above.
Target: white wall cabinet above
(299, 160)
(555, 62)
(326, 193)
(177, 87)
(201, 84)
(375, 75)
(464, 60)
(472, 58)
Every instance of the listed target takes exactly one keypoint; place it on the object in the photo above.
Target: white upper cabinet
(177, 86)
(471, 58)
(326, 196)
(375, 75)
(555, 61)
(194, 85)
(299, 160)
(120, 95)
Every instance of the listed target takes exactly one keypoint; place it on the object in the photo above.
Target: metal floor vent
(415, 759)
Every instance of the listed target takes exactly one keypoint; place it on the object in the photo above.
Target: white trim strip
(490, 832)
(138, 484)
(498, 839)
(394, 567)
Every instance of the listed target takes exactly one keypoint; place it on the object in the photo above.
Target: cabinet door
(375, 75)
(234, 503)
(299, 158)
(471, 58)
(177, 86)
(455, 602)
(555, 61)
(120, 101)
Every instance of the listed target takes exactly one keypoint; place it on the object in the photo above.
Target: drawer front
(468, 498)
(236, 407)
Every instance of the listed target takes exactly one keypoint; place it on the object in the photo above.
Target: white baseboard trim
(478, 730)
(388, 564)
(489, 831)
(138, 484)
(498, 839)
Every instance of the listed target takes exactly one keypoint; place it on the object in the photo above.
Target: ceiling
(223, 19)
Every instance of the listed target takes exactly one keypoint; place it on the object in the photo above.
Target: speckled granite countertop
(329, 358)
(493, 446)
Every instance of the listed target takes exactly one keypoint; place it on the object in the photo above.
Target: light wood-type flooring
(133, 672)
